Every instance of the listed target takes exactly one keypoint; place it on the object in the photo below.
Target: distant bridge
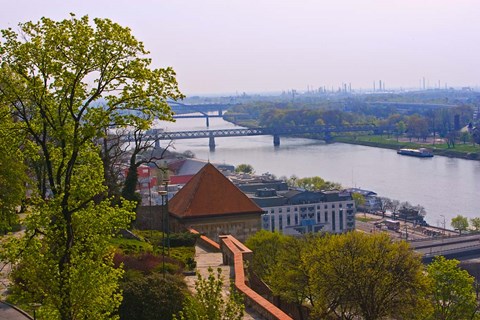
(202, 110)
(276, 132)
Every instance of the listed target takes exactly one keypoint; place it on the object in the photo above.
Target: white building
(297, 212)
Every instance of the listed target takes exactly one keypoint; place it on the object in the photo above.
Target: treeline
(419, 124)
(361, 276)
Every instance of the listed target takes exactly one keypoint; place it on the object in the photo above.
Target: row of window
(271, 226)
(312, 208)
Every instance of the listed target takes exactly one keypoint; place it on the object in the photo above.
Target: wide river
(445, 186)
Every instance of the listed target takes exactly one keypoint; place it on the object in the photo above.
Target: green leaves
(453, 294)
(209, 302)
(65, 83)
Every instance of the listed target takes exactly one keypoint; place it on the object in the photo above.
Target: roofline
(207, 215)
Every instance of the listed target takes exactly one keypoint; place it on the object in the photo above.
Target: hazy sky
(255, 46)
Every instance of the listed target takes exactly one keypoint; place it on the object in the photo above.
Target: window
(318, 216)
(326, 216)
(333, 221)
(340, 218)
(280, 222)
(340, 205)
(280, 210)
(296, 219)
(288, 219)
(288, 209)
(273, 223)
(325, 207)
(333, 206)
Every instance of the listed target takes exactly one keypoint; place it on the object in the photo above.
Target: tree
(393, 206)
(209, 303)
(460, 223)
(400, 129)
(452, 291)
(370, 276)
(475, 222)
(244, 168)
(359, 200)
(152, 297)
(316, 183)
(66, 82)
(384, 205)
(12, 172)
(290, 279)
(266, 247)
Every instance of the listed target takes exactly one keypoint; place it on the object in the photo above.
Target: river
(445, 187)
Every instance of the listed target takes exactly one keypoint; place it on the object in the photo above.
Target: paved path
(9, 313)
(214, 260)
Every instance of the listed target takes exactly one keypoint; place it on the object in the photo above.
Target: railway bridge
(276, 132)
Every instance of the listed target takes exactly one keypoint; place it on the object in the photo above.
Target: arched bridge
(276, 132)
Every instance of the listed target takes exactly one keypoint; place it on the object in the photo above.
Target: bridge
(276, 132)
(456, 247)
(202, 110)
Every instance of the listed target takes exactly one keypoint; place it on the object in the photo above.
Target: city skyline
(270, 46)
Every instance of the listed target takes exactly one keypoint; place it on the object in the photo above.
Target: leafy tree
(245, 168)
(151, 297)
(12, 172)
(400, 129)
(316, 183)
(460, 223)
(475, 222)
(370, 276)
(453, 294)
(359, 200)
(266, 247)
(290, 279)
(209, 303)
(66, 82)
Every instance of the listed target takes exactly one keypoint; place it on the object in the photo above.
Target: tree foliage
(244, 168)
(152, 297)
(460, 223)
(453, 294)
(209, 303)
(345, 276)
(13, 176)
(66, 82)
(475, 222)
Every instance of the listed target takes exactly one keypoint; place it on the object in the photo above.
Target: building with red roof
(211, 204)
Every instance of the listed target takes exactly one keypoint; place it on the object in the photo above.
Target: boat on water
(421, 153)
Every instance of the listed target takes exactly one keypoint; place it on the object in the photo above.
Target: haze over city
(265, 46)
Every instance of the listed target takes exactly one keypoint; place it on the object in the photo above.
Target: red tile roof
(210, 193)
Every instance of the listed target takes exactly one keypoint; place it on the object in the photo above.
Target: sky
(254, 46)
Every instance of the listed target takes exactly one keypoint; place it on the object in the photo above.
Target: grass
(461, 150)
(364, 219)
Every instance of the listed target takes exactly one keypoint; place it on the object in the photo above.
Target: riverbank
(439, 147)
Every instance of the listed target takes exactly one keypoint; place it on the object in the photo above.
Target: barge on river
(421, 153)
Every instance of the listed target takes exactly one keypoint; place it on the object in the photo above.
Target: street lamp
(443, 224)
(163, 194)
(34, 307)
